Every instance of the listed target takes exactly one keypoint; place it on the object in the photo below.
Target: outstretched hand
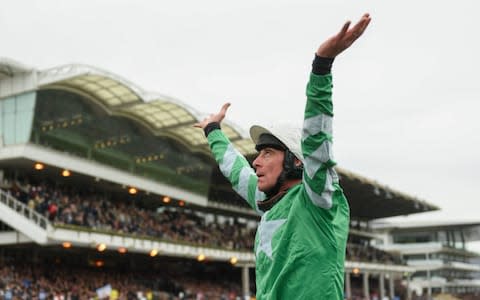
(218, 117)
(344, 39)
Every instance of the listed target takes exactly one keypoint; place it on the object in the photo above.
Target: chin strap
(278, 185)
(268, 203)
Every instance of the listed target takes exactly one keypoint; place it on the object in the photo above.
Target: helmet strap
(276, 188)
(291, 170)
(268, 203)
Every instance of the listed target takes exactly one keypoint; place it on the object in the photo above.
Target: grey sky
(406, 94)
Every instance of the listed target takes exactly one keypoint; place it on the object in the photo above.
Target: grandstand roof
(424, 224)
(471, 228)
(370, 200)
(9, 68)
(162, 116)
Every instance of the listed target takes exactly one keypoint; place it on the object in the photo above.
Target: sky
(406, 94)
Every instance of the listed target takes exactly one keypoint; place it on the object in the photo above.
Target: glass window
(72, 123)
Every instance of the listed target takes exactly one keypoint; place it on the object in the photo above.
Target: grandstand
(107, 187)
(438, 251)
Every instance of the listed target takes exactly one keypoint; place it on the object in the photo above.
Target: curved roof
(166, 116)
(9, 67)
(162, 115)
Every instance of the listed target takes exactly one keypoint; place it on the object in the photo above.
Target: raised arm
(232, 164)
(320, 179)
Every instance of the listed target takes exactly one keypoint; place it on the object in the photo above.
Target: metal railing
(24, 210)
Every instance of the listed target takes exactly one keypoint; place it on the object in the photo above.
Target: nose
(256, 162)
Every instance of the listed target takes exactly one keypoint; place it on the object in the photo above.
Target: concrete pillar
(366, 287)
(382, 285)
(409, 288)
(429, 277)
(245, 282)
(429, 287)
(348, 286)
(391, 286)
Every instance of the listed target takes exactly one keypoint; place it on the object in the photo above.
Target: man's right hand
(218, 117)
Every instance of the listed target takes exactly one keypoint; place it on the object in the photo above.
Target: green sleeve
(235, 168)
(320, 179)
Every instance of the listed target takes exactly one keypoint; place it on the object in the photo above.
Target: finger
(364, 22)
(344, 29)
(361, 25)
(224, 108)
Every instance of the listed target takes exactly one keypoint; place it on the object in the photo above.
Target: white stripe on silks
(228, 160)
(318, 157)
(317, 124)
(325, 199)
(259, 196)
(242, 187)
(266, 231)
(334, 175)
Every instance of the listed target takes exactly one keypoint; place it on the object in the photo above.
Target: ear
(298, 162)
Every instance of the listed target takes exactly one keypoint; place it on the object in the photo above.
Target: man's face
(268, 166)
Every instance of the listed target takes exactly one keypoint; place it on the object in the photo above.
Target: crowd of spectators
(68, 207)
(63, 206)
(22, 282)
(19, 281)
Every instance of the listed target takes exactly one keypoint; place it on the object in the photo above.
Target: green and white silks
(300, 242)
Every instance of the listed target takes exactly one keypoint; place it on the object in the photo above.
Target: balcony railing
(23, 209)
